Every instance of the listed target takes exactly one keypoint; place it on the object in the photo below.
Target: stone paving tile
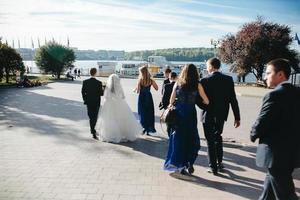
(46, 152)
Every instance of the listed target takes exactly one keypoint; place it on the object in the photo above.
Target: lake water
(86, 65)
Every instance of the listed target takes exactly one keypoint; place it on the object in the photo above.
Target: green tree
(54, 58)
(10, 61)
(255, 45)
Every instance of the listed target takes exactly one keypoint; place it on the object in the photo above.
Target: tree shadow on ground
(27, 101)
(237, 189)
(46, 116)
(157, 147)
(36, 111)
(69, 81)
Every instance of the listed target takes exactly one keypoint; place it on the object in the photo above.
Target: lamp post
(214, 43)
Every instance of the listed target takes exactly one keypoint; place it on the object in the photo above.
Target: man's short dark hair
(168, 70)
(214, 62)
(93, 71)
(281, 64)
(173, 75)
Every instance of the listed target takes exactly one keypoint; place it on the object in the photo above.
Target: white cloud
(112, 24)
(208, 4)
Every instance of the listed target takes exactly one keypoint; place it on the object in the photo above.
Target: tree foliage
(255, 45)
(175, 54)
(10, 61)
(54, 58)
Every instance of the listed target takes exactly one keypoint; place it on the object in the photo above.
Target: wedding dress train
(117, 123)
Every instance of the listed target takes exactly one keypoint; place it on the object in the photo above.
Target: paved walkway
(46, 152)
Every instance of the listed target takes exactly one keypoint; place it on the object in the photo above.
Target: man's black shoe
(184, 172)
(95, 133)
(95, 137)
(191, 169)
(212, 170)
(221, 167)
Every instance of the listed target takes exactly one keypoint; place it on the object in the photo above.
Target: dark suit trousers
(93, 115)
(279, 185)
(212, 132)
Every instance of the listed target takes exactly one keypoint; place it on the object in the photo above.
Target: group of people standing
(276, 126)
(213, 94)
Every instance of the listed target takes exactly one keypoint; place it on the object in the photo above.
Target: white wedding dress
(117, 123)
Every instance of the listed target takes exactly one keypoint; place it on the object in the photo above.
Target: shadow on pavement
(45, 115)
(76, 81)
(26, 101)
(243, 191)
(39, 112)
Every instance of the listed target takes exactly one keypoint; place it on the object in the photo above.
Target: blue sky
(137, 25)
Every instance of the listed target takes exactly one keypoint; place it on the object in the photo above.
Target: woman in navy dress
(145, 100)
(184, 142)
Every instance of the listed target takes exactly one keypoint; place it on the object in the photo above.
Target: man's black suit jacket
(166, 81)
(219, 89)
(92, 91)
(278, 128)
(168, 88)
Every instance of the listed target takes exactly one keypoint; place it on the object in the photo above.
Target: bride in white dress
(117, 123)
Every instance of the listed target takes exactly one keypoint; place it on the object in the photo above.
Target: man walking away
(219, 89)
(277, 128)
(91, 94)
(167, 91)
(167, 80)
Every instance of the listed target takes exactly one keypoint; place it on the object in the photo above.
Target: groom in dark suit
(219, 89)
(277, 128)
(91, 94)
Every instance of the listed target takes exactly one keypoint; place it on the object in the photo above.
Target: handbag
(169, 115)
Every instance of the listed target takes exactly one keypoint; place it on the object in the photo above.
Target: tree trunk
(1, 75)
(58, 75)
(7, 75)
(255, 74)
(260, 73)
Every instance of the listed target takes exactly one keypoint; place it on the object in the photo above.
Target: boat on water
(105, 68)
(157, 65)
(129, 68)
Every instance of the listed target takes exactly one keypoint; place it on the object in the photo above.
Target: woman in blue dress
(184, 142)
(145, 100)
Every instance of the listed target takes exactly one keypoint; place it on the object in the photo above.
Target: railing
(295, 78)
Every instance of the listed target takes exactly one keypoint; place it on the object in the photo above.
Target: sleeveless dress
(146, 109)
(184, 142)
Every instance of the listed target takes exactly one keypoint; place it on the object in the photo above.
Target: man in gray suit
(277, 128)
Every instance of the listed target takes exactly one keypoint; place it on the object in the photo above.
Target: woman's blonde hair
(144, 76)
(189, 77)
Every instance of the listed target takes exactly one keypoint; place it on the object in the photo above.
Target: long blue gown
(146, 109)
(184, 142)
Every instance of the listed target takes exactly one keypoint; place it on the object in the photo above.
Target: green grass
(44, 79)
(11, 81)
